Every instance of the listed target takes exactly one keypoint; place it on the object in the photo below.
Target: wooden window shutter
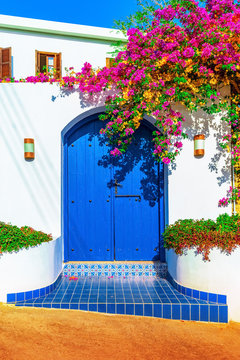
(109, 62)
(37, 62)
(58, 66)
(6, 63)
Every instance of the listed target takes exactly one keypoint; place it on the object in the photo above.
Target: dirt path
(42, 334)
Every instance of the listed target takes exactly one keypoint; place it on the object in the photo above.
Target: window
(5, 63)
(49, 63)
(109, 62)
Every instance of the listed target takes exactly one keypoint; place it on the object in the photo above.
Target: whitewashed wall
(30, 192)
(219, 275)
(75, 50)
(197, 184)
(30, 269)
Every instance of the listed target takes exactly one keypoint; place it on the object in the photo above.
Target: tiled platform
(133, 296)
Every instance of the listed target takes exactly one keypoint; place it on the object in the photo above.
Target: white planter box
(30, 269)
(219, 275)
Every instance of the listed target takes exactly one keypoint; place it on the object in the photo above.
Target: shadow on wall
(210, 125)
(86, 100)
(137, 162)
(19, 123)
(196, 123)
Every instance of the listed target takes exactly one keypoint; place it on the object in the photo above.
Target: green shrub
(203, 235)
(13, 238)
(228, 223)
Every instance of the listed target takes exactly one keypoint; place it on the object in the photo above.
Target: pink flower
(178, 144)
(170, 91)
(166, 104)
(223, 202)
(188, 52)
(129, 131)
(156, 113)
(166, 160)
(115, 152)
(131, 92)
(119, 120)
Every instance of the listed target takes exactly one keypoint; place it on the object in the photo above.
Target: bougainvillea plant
(183, 53)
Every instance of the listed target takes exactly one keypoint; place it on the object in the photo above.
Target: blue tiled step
(116, 269)
(153, 297)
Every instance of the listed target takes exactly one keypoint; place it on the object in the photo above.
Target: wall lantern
(199, 145)
(29, 152)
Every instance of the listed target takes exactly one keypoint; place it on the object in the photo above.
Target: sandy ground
(27, 333)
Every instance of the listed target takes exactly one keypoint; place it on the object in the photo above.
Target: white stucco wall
(197, 184)
(30, 192)
(76, 50)
(219, 275)
(30, 269)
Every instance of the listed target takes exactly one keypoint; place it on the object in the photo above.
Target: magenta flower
(115, 152)
(188, 52)
(129, 131)
(178, 144)
(170, 91)
(223, 202)
(166, 160)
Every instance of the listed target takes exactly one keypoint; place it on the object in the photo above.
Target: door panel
(89, 206)
(137, 201)
(102, 225)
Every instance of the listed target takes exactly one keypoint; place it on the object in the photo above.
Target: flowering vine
(185, 54)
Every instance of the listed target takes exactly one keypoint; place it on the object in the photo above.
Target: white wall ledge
(30, 269)
(219, 275)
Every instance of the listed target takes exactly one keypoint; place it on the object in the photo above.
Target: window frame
(58, 74)
(8, 63)
(109, 62)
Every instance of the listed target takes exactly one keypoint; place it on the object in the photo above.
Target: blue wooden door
(89, 196)
(137, 195)
(114, 206)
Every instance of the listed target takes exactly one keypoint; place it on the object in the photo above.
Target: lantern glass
(29, 149)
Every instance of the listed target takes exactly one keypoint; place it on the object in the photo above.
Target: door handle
(136, 196)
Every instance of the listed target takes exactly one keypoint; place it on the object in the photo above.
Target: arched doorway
(113, 209)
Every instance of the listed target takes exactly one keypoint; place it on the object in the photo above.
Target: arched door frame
(81, 120)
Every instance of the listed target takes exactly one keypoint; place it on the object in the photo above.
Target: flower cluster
(233, 194)
(204, 235)
(13, 238)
